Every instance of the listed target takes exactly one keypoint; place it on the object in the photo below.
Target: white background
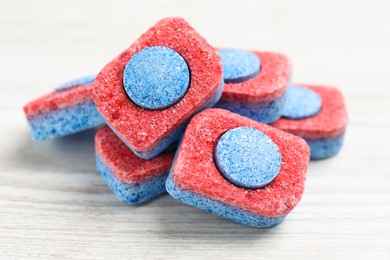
(52, 201)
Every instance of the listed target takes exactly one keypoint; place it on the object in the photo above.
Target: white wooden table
(54, 204)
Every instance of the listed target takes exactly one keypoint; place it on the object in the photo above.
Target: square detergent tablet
(150, 91)
(239, 169)
(317, 114)
(132, 179)
(68, 110)
(255, 83)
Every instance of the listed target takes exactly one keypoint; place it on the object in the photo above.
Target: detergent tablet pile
(223, 130)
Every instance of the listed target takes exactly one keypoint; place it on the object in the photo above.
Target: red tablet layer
(144, 129)
(269, 84)
(126, 166)
(330, 121)
(58, 100)
(195, 170)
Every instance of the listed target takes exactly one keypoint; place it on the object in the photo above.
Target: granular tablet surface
(247, 158)
(156, 78)
(75, 83)
(301, 103)
(239, 65)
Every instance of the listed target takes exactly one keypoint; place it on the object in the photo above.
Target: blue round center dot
(156, 78)
(239, 65)
(301, 103)
(247, 158)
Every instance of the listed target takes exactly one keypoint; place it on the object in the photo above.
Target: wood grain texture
(52, 201)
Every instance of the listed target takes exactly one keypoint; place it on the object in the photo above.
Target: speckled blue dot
(75, 83)
(301, 103)
(156, 78)
(247, 158)
(239, 65)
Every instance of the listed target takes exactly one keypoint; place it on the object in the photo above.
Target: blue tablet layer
(219, 208)
(75, 83)
(132, 193)
(265, 112)
(323, 148)
(239, 65)
(247, 158)
(62, 122)
(156, 78)
(301, 103)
